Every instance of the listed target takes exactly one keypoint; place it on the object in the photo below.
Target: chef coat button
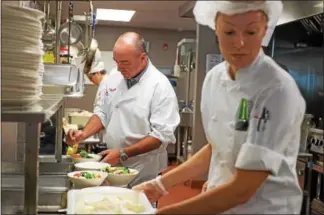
(214, 118)
(116, 106)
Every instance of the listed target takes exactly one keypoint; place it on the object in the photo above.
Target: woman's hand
(151, 189)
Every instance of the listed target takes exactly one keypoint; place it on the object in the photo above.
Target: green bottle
(242, 121)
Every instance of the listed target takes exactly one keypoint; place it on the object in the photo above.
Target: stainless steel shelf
(39, 111)
(33, 115)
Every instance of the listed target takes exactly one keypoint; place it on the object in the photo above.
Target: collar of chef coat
(244, 76)
(131, 82)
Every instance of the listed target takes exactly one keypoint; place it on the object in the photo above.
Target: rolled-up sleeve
(164, 117)
(100, 104)
(275, 120)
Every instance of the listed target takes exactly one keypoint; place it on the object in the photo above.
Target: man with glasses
(138, 110)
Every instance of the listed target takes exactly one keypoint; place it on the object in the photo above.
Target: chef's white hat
(206, 11)
(97, 64)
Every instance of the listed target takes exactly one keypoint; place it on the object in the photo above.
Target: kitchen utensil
(75, 33)
(90, 56)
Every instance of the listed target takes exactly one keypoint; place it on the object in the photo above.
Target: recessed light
(114, 15)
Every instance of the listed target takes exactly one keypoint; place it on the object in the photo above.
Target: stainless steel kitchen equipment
(57, 29)
(186, 60)
(32, 116)
(304, 173)
(75, 32)
(63, 79)
(306, 125)
(311, 165)
(317, 149)
(48, 37)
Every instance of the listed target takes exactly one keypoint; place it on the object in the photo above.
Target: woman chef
(98, 73)
(251, 160)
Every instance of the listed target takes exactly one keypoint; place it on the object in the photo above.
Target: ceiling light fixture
(114, 15)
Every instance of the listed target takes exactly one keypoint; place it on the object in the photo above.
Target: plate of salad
(84, 156)
(87, 178)
(120, 175)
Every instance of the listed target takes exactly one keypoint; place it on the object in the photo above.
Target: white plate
(19, 102)
(15, 11)
(31, 54)
(23, 31)
(18, 90)
(82, 182)
(19, 20)
(91, 165)
(14, 84)
(29, 57)
(140, 197)
(24, 25)
(95, 158)
(19, 72)
(22, 38)
(10, 84)
(15, 63)
(14, 43)
(20, 58)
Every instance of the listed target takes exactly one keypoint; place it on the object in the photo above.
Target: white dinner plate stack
(22, 51)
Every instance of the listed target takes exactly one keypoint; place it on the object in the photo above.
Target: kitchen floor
(178, 193)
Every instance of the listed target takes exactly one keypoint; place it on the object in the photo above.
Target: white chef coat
(150, 107)
(273, 146)
(102, 86)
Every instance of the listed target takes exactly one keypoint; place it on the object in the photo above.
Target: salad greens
(116, 170)
(84, 154)
(87, 175)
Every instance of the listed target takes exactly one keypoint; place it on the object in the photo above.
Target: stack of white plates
(22, 51)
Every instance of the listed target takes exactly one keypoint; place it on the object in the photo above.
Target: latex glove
(153, 189)
(204, 187)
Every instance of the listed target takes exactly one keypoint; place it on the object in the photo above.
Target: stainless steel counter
(53, 185)
(33, 115)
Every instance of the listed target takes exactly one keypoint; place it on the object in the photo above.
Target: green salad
(120, 170)
(84, 154)
(86, 175)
